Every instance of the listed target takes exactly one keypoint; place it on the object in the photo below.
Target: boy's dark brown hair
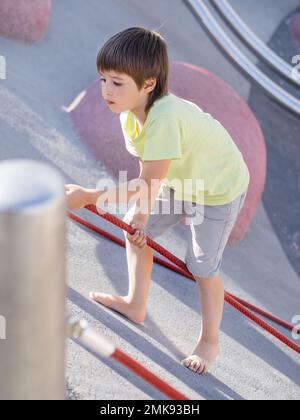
(141, 54)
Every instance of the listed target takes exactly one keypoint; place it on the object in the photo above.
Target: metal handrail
(245, 34)
(227, 46)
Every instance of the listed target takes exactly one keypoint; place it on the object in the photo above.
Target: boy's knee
(202, 279)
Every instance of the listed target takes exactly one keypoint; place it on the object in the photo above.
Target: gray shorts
(206, 240)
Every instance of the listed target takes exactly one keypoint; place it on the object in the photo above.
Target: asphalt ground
(43, 78)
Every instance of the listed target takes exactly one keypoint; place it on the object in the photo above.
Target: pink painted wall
(294, 25)
(24, 20)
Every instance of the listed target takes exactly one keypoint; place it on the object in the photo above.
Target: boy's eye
(115, 83)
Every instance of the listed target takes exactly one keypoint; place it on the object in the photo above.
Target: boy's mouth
(110, 102)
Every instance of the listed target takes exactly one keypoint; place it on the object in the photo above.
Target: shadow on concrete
(207, 386)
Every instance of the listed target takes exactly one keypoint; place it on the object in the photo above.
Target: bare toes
(186, 362)
(201, 369)
(95, 296)
(196, 365)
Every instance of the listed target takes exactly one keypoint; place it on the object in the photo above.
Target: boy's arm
(151, 175)
(153, 172)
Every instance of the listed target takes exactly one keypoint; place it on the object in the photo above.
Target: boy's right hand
(77, 197)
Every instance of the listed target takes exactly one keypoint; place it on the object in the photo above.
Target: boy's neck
(140, 114)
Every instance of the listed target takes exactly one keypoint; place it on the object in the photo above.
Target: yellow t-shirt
(207, 166)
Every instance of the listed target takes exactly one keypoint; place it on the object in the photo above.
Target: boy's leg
(133, 305)
(207, 242)
(140, 263)
(212, 303)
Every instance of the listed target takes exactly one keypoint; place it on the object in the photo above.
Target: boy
(174, 140)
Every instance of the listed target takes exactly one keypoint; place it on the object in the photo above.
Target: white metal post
(32, 281)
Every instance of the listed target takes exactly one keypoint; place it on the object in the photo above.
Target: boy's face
(121, 92)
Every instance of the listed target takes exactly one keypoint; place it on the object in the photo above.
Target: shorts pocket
(217, 213)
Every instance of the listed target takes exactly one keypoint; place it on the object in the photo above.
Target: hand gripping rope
(180, 267)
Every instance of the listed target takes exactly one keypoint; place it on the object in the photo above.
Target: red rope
(239, 304)
(148, 376)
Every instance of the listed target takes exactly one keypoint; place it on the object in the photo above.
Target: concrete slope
(43, 78)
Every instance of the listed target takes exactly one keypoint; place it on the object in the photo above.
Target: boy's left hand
(139, 238)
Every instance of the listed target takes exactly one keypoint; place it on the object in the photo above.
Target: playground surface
(42, 80)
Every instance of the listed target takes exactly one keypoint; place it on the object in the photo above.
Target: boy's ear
(150, 85)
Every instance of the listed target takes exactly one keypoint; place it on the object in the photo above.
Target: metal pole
(246, 35)
(238, 58)
(32, 281)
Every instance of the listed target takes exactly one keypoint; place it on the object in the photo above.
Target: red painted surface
(294, 25)
(100, 130)
(296, 243)
(24, 20)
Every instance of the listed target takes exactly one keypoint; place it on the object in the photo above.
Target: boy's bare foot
(203, 357)
(119, 304)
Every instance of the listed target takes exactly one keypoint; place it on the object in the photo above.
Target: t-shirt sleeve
(163, 140)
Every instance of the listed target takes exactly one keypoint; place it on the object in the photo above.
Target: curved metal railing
(260, 49)
(243, 64)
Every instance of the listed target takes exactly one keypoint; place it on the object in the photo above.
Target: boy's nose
(108, 96)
